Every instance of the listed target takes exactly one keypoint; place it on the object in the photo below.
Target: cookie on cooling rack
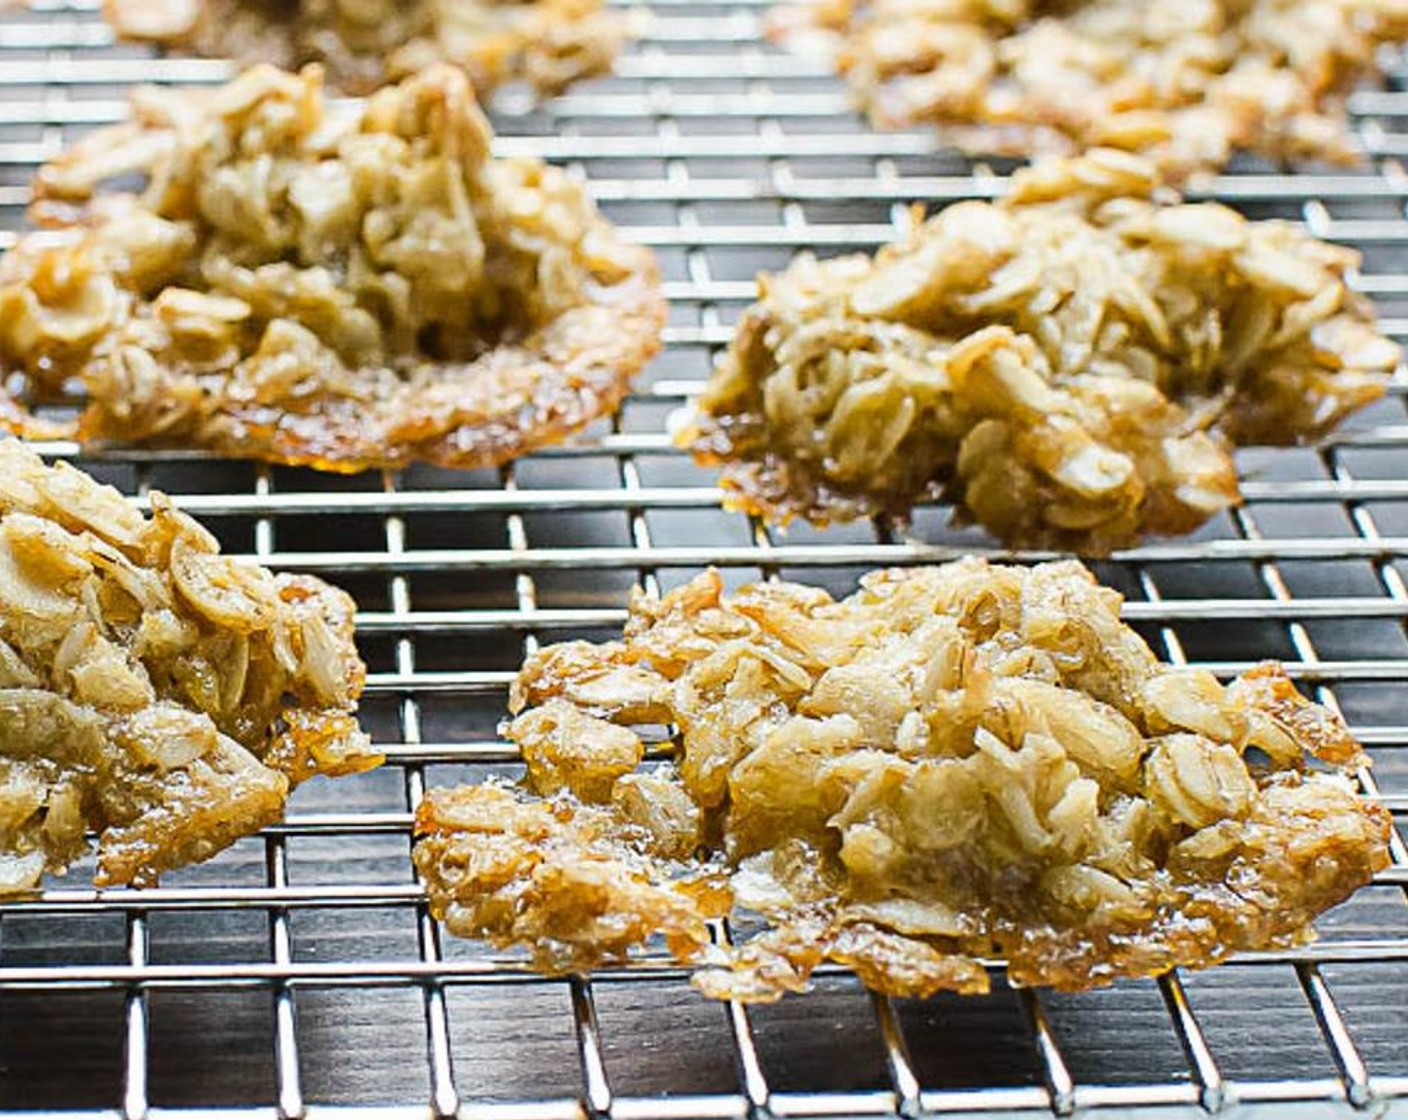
(1069, 366)
(550, 43)
(153, 691)
(1185, 84)
(952, 765)
(340, 288)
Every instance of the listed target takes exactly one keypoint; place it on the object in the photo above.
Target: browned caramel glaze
(365, 44)
(153, 691)
(953, 764)
(336, 289)
(1185, 83)
(1068, 366)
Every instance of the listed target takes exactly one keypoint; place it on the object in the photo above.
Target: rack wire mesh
(299, 973)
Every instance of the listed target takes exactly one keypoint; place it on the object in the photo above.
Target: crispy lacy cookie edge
(573, 388)
(540, 873)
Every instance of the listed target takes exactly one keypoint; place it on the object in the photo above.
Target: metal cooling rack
(299, 974)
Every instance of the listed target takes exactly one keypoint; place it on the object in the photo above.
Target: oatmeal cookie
(1070, 365)
(953, 765)
(1184, 83)
(367, 44)
(153, 691)
(308, 285)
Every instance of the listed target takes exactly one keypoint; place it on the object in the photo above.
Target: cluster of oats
(1183, 82)
(365, 44)
(152, 690)
(953, 764)
(344, 289)
(1068, 366)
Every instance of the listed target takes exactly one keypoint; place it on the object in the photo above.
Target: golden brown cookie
(307, 285)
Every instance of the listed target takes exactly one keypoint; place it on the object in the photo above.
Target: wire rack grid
(299, 973)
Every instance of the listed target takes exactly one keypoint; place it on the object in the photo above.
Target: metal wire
(726, 156)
